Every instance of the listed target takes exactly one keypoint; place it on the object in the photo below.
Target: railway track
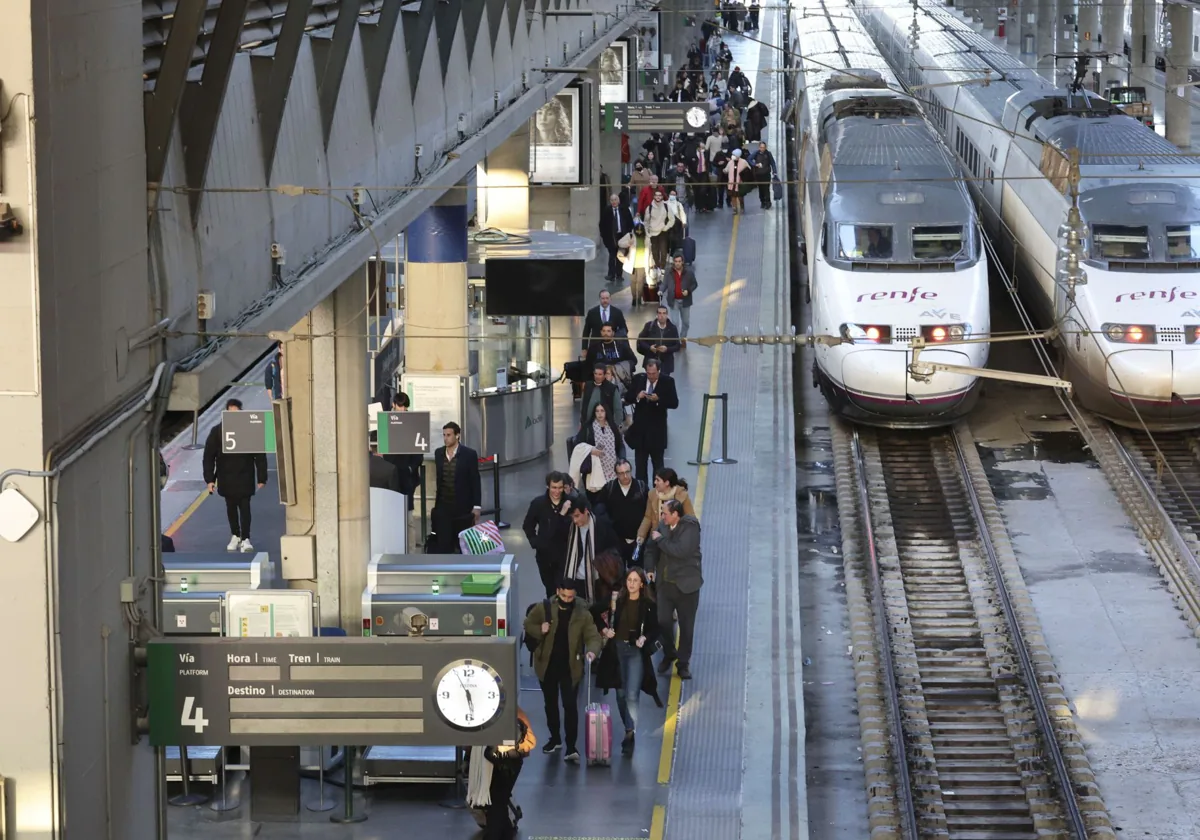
(981, 742)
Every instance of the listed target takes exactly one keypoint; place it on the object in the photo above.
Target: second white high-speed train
(893, 249)
(1130, 331)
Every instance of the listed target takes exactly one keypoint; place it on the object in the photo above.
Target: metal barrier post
(724, 459)
(224, 804)
(494, 511)
(703, 427)
(348, 815)
(321, 804)
(424, 511)
(458, 799)
(185, 772)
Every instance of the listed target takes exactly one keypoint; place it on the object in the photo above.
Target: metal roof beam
(272, 98)
(329, 77)
(163, 103)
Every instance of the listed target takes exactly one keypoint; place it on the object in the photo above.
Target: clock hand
(467, 691)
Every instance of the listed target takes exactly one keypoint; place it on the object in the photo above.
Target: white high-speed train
(893, 249)
(1131, 339)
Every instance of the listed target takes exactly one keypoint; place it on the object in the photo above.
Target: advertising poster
(554, 140)
(614, 73)
(648, 39)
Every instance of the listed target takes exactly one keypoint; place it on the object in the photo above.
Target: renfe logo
(1174, 294)
(902, 296)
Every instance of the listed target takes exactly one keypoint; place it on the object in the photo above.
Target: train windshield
(865, 242)
(941, 243)
(1183, 242)
(1121, 242)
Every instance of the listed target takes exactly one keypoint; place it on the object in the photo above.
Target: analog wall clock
(468, 694)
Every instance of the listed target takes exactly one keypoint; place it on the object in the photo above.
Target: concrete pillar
(1013, 27)
(504, 184)
(1064, 36)
(1044, 31)
(436, 288)
(1142, 43)
(1089, 36)
(989, 14)
(1179, 93)
(327, 387)
(1112, 26)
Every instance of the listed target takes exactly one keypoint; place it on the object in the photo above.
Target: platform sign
(673, 117)
(248, 432)
(403, 432)
(387, 690)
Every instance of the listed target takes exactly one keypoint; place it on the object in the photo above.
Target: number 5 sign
(248, 432)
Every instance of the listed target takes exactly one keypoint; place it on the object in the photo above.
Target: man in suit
(652, 394)
(459, 495)
(615, 222)
(674, 562)
(659, 341)
(600, 315)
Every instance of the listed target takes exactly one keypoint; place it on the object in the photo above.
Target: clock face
(696, 117)
(469, 694)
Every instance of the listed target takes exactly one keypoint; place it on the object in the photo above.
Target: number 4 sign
(193, 715)
(403, 432)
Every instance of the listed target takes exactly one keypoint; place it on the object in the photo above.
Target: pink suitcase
(597, 733)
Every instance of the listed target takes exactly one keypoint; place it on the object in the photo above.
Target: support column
(1142, 44)
(1112, 26)
(1064, 36)
(436, 289)
(1089, 36)
(989, 13)
(1179, 93)
(1044, 38)
(327, 387)
(1014, 26)
(504, 189)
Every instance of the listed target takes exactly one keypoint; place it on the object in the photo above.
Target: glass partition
(512, 352)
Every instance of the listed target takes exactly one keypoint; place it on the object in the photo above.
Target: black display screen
(534, 287)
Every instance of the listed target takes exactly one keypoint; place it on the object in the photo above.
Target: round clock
(696, 117)
(468, 694)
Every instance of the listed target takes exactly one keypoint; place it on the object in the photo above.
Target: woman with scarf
(603, 434)
(736, 172)
(667, 485)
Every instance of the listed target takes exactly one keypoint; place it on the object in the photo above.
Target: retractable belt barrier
(724, 459)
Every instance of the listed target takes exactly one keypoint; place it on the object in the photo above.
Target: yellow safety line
(187, 514)
(658, 822)
(665, 759)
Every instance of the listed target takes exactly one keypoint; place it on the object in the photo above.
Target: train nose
(883, 374)
(1141, 375)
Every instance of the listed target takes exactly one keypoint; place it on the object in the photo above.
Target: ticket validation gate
(351, 691)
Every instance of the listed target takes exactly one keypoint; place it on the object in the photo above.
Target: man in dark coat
(546, 525)
(624, 501)
(679, 290)
(615, 222)
(588, 537)
(600, 391)
(673, 560)
(459, 494)
(408, 467)
(658, 342)
(600, 315)
(652, 395)
(381, 474)
(233, 474)
(610, 350)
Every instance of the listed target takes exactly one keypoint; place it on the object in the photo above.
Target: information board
(687, 117)
(269, 613)
(386, 691)
(404, 433)
(441, 395)
(248, 432)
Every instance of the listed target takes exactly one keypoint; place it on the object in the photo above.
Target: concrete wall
(76, 289)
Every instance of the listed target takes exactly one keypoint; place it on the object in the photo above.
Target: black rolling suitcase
(689, 250)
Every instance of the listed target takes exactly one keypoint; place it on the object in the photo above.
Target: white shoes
(246, 546)
(234, 542)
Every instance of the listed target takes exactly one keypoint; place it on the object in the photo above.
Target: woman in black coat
(631, 631)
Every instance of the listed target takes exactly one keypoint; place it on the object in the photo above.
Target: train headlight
(1129, 333)
(938, 333)
(866, 333)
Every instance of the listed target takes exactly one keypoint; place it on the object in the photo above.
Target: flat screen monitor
(534, 287)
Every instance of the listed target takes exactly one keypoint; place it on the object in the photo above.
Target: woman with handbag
(631, 629)
(636, 262)
(607, 446)
(738, 186)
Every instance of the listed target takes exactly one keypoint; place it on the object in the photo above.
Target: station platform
(725, 758)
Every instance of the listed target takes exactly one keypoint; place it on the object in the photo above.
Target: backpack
(531, 644)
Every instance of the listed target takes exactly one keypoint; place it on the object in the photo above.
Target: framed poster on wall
(554, 140)
(649, 31)
(614, 73)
